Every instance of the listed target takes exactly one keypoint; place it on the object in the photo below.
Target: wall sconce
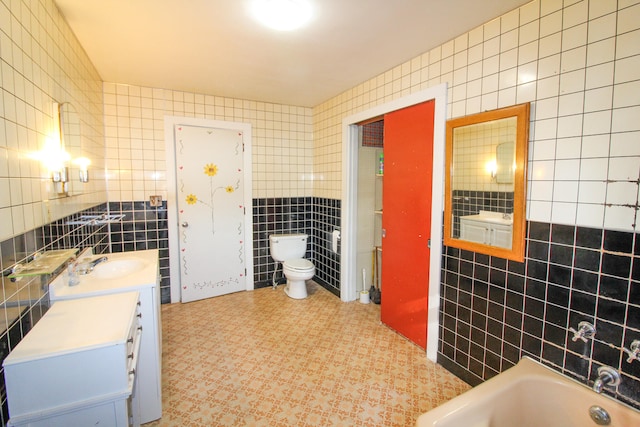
(491, 168)
(55, 160)
(60, 180)
(83, 173)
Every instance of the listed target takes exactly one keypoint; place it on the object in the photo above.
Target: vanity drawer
(133, 352)
(134, 335)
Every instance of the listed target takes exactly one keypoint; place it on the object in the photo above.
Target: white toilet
(289, 249)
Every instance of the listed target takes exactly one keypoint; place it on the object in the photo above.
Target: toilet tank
(287, 246)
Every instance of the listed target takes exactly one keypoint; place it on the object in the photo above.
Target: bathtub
(528, 395)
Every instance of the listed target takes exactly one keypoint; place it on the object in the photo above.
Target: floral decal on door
(211, 170)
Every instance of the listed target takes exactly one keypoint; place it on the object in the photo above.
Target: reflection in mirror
(505, 162)
(482, 184)
(71, 141)
(484, 198)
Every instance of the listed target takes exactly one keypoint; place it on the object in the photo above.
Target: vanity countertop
(492, 217)
(91, 284)
(76, 365)
(75, 325)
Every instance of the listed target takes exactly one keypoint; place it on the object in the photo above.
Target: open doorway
(369, 204)
(349, 272)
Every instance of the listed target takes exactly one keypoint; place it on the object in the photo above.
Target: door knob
(185, 224)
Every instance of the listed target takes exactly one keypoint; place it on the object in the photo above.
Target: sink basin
(528, 395)
(116, 268)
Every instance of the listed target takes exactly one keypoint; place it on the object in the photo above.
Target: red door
(406, 220)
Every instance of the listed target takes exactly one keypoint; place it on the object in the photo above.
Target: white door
(211, 211)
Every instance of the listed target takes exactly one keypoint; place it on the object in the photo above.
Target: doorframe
(172, 206)
(348, 274)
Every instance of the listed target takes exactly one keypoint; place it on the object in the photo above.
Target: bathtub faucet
(584, 332)
(607, 376)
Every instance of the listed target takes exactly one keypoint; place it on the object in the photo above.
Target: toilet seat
(300, 264)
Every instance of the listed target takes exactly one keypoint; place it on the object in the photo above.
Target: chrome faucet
(607, 376)
(98, 261)
(86, 267)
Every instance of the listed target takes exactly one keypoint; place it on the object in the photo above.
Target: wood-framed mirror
(485, 182)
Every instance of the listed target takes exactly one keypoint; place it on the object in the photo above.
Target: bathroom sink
(491, 217)
(113, 269)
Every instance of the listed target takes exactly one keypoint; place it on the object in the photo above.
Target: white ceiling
(215, 46)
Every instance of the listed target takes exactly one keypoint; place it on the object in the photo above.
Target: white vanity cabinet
(77, 366)
(145, 280)
(487, 229)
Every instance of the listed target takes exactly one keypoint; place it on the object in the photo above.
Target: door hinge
(429, 243)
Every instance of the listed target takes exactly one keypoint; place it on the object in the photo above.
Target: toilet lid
(298, 264)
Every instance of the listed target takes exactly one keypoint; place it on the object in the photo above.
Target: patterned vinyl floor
(262, 359)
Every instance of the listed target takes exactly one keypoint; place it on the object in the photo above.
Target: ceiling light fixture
(282, 15)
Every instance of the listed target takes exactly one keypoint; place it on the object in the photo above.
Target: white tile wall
(135, 156)
(577, 62)
(41, 62)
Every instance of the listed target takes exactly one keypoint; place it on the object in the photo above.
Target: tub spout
(598, 384)
(607, 376)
